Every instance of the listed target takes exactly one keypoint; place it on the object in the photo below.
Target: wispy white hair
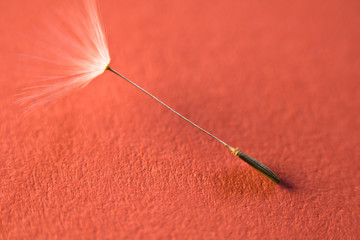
(77, 51)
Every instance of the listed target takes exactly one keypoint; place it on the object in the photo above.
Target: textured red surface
(278, 79)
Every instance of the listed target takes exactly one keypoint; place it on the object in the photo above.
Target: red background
(279, 79)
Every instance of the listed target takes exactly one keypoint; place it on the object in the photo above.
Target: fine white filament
(77, 52)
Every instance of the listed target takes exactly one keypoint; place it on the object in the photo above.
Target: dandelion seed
(89, 59)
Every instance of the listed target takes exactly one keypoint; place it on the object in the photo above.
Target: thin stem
(251, 161)
(134, 84)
